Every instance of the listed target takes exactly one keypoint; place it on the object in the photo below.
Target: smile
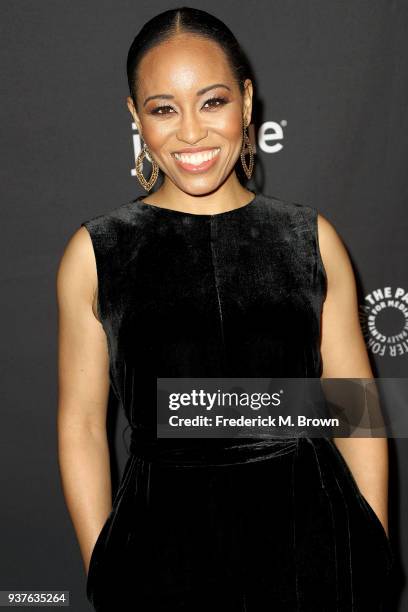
(196, 158)
(195, 162)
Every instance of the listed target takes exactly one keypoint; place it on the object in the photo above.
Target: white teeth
(196, 158)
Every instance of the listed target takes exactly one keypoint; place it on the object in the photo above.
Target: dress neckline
(185, 213)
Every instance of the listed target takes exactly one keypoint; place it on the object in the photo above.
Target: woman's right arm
(83, 388)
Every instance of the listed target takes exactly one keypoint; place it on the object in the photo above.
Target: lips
(197, 158)
(197, 163)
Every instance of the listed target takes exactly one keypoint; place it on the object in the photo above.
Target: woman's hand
(367, 459)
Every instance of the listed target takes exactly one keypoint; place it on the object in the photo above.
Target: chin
(204, 188)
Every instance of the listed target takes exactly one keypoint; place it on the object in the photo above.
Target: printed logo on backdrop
(270, 138)
(384, 321)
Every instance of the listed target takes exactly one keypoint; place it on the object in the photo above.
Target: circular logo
(384, 321)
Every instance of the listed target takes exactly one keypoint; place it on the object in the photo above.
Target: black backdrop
(330, 127)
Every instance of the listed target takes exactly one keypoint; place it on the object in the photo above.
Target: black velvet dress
(230, 525)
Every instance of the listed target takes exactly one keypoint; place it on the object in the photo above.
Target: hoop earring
(139, 168)
(247, 148)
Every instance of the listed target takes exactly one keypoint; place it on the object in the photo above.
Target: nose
(191, 130)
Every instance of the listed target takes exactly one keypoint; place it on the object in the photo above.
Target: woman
(204, 278)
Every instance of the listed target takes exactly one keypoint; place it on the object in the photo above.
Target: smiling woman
(206, 278)
(192, 108)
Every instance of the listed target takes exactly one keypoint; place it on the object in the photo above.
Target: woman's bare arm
(83, 379)
(345, 355)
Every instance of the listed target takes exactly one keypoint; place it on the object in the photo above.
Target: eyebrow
(200, 92)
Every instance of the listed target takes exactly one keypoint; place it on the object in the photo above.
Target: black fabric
(251, 525)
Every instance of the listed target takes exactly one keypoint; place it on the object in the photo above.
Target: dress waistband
(205, 452)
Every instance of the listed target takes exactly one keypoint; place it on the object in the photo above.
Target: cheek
(230, 125)
(156, 136)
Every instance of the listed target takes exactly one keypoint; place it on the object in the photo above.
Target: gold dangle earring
(247, 148)
(139, 168)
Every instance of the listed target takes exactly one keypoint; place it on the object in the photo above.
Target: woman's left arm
(344, 355)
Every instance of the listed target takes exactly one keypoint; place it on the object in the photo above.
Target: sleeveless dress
(224, 525)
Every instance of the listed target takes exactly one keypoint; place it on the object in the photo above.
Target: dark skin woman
(187, 100)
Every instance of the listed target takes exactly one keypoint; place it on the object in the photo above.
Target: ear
(247, 101)
(132, 110)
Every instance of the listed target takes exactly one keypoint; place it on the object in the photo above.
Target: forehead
(185, 62)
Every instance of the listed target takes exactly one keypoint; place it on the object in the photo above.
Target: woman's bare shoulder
(76, 273)
(333, 250)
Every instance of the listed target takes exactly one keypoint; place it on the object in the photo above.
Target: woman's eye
(222, 101)
(214, 103)
(156, 110)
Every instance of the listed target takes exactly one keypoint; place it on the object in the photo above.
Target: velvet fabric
(234, 525)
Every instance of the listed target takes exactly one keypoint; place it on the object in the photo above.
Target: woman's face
(175, 114)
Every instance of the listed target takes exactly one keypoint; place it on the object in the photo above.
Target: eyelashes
(221, 101)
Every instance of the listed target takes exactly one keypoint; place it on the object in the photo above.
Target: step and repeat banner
(330, 130)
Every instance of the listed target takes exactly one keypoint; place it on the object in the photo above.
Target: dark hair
(167, 24)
